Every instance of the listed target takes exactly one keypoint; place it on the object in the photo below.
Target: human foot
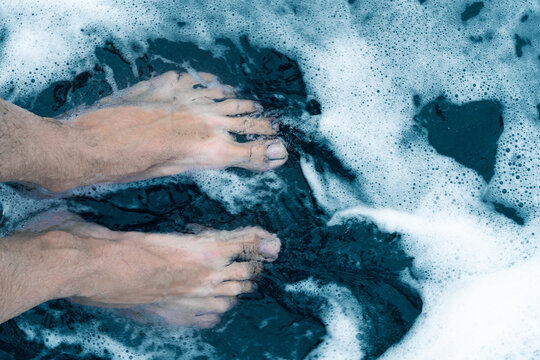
(186, 280)
(165, 126)
(205, 273)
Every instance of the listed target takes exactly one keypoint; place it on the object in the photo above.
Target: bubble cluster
(17, 207)
(342, 316)
(238, 192)
(92, 342)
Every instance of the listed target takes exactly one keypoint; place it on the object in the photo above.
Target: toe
(236, 107)
(251, 244)
(233, 288)
(215, 93)
(269, 248)
(249, 125)
(261, 155)
(241, 271)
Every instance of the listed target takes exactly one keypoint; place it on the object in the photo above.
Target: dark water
(356, 254)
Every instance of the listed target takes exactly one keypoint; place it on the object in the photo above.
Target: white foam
(96, 343)
(483, 318)
(17, 208)
(342, 315)
(236, 192)
(48, 41)
(365, 70)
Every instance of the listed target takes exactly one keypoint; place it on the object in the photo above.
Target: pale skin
(167, 125)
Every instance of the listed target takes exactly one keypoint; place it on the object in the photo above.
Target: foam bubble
(486, 317)
(93, 342)
(237, 192)
(48, 41)
(17, 208)
(342, 316)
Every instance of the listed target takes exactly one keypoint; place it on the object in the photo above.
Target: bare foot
(170, 124)
(187, 280)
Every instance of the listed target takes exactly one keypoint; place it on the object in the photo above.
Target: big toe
(250, 244)
(262, 155)
(269, 248)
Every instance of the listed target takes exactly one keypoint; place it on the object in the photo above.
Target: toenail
(258, 107)
(276, 151)
(269, 248)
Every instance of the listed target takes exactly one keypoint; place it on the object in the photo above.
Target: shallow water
(408, 209)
